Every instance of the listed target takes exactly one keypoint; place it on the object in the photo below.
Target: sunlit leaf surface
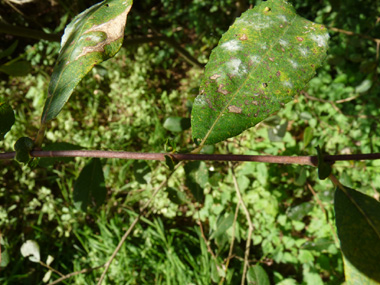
(93, 36)
(264, 59)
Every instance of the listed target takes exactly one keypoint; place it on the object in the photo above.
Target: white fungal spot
(288, 83)
(321, 40)
(261, 25)
(232, 45)
(200, 100)
(282, 18)
(256, 22)
(293, 63)
(303, 51)
(283, 43)
(235, 67)
(255, 58)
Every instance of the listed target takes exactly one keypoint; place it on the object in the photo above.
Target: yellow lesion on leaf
(114, 30)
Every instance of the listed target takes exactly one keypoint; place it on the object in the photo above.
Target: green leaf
(177, 197)
(301, 176)
(90, 185)
(5, 259)
(23, 146)
(196, 178)
(257, 275)
(31, 249)
(9, 50)
(47, 161)
(16, 68)
(177, 124)
(170, 162)
(93, 36)
(223, 225)
(324, 169)
(142, 172)
(364, 86)
(307, 136)
(7, 119)
(358, 223)
(277, 133)
(300, 211)
(265, 58)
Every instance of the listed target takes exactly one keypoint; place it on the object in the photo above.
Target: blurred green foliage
(123, 104)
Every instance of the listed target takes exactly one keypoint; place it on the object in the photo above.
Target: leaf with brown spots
(93, 36)
(264, 59)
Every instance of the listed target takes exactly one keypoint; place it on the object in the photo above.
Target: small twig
(349, 33)
(347, 99)
(324, 212)
(229, 257)
(307, 95)
(250, 225)
(51, 268)
(131, 227)
(209, 249)
(86, 270)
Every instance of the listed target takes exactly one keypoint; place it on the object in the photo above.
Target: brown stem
(303, 160)
(86, 270)
(349, 33)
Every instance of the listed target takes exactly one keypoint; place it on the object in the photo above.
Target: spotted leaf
(93, 36)
(264, 59)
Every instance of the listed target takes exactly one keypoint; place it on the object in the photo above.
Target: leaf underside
(264, 59)
(358, 223)
(90, 186)
(93, 36)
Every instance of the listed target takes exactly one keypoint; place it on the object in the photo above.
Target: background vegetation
(123, 104)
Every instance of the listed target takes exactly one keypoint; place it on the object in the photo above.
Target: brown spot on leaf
(215, 76)
(221, 90)
(299, 39)
(243, 37)
(234, 109)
